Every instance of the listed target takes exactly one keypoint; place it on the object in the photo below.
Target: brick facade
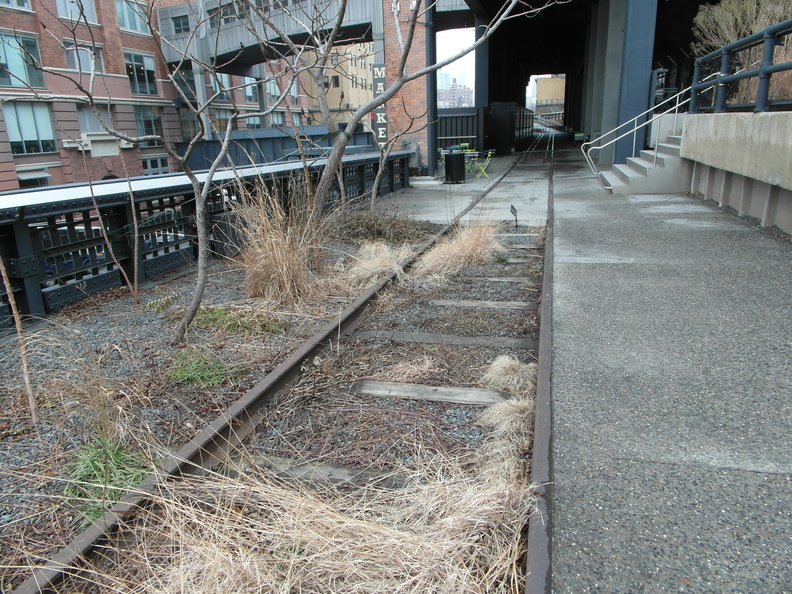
(72, 162)
(409, 105)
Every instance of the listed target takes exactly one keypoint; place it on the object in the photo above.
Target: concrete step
(627, 174)
(653, 156)
(641, 165)
(675, 140)
(669, 149)
(616, 184)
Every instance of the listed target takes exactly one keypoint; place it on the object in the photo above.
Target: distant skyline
(451, 42)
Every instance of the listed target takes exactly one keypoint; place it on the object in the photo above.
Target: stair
(658, 171)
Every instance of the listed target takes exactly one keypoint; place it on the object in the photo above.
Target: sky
(451, 42)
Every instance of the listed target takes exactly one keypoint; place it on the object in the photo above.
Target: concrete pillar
(636, 70)
(482, 66)
(612, 26)
(431, 92)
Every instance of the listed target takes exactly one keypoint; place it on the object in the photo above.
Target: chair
(482, 163)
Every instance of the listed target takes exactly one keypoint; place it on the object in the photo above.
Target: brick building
(54, 54)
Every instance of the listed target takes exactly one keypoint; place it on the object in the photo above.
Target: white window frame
(14, 58)
(251, 89)
(74, 54)
(130, 17)
(277, 118)
(36, 127)
(88, 121)
(162, 166)
(77, 10)
(148, 59)
(16, 4)
(221, 86)
(153, 118)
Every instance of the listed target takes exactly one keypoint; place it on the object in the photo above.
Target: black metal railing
(63, 243)
(741, 74)
(464, 125)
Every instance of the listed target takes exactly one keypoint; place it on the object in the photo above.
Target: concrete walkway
(672, 395)
(514, 181)
(671, 383)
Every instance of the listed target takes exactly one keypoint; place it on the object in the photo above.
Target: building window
(155, 166)
(85, 58)
(77, 10)
(181, 24)
(273, 90)
(294, 93)
(142, 73)
(251, 89)
(221, 83)
(336, 81)
(148, 122)
(184, 78)
(19, 59)
(132, 16)
(16, 4)
(89, 121)
(222, 117)
(29, 127)
(226, 14)
(190, 126)
(334, 59)
(33, 178)
(253, 123)
(277, 118)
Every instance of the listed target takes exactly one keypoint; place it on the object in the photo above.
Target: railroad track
(344, 407)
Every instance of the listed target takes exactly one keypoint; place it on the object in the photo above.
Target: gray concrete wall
(743, 160)
(755, 145)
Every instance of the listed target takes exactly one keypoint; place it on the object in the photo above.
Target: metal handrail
(768, 38)
(588, 147)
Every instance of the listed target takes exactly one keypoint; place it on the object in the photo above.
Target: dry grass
(355, 226)
(455, 527)
(69, 372)
(373, 261)
(507, 373)
(280, 245)
(468, 246)
(426, 369)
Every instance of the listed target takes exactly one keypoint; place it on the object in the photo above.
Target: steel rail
(213, 444)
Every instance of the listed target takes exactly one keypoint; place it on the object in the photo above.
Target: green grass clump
(100, 473)
(237, 320)
(199, 368)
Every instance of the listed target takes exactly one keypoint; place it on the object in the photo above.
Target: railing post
(27, 266)
(694, 94)
(720, 101)
(763, 92)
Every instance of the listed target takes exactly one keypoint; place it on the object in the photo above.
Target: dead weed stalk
(472, 245)
(279, 240)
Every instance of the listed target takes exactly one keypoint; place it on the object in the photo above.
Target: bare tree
(730, 20)
(320, 25)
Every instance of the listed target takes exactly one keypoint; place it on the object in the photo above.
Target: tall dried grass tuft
(507, 373)
(372, 262)
(279, 240)
(468, 246)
